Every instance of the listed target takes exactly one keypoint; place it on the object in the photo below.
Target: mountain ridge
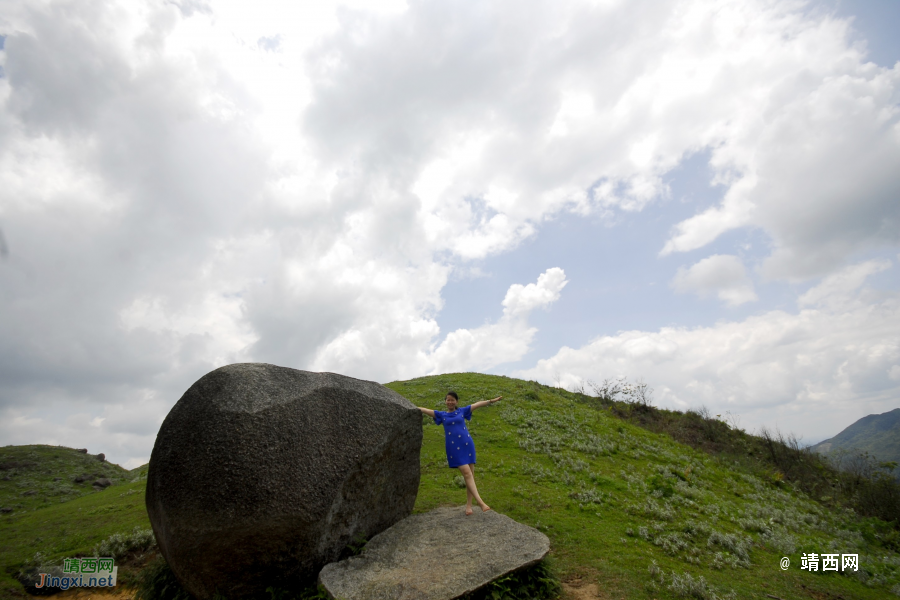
(876, 434)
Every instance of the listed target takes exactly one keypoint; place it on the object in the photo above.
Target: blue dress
(459, 444)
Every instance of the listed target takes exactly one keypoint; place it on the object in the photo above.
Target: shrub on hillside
(119, 545)
(858, 481)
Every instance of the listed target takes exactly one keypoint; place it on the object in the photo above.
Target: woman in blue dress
(459, 444)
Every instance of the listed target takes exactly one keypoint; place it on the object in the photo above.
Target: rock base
(439, 555)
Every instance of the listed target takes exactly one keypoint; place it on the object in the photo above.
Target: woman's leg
(471, 490)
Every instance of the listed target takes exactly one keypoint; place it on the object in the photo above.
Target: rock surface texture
(261, 475)
(437, 555)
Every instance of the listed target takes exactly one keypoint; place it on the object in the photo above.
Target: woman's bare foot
(468, 510)
(485, 508)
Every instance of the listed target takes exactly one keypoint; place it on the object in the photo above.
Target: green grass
(636, 512)
(63, 530)
(641, 514)
(39, 476)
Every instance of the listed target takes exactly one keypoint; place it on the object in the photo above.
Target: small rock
(82, 450)
(80, 479)
(13, 464)
(439, 555)
(57, 479)
(102, 483)
(29, 493)
(101, 457)
(5, 510)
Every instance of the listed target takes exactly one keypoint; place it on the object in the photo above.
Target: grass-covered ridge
(67, 530)
(638, 513)
(628, 510)
(38, 476)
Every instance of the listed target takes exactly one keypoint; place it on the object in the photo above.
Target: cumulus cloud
(505, 341)
(124, 431)
(188, 184)
(723, 275)
(812, 172)
(837, 288)
(521, 300)
(802, 130)
(810, 371)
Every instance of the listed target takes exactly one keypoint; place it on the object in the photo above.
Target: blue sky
(875, 23)
(618, 281)
(702, 194)
(617, 278)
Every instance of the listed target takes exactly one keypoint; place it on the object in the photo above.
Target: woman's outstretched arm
(427, 411)
(485, 402)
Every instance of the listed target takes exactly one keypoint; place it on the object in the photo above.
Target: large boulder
(261, 475)
(439, 555)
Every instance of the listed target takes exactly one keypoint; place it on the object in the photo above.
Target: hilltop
(67, 515)
(37, 476)
(878, 435)
(636, 514)
(630, 511)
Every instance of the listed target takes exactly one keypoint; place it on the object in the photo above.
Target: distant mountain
(879, 435)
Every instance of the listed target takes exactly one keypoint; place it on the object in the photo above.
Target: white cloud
(802, 131)
(812, 371)
(894, 373)
(175, 196)
(505, 341)
(521, 300)
(125, 432)
(837, 288)
(481, 348)
(815, 172)
(723, 275)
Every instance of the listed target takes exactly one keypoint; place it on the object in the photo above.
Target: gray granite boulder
(261, 475)
(438, 555)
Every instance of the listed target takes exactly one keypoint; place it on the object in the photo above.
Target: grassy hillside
(638, 514)
(38, 476)
(863, 484)
(630, 513)
(64, 524)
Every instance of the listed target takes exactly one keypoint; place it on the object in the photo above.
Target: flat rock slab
(439, 555)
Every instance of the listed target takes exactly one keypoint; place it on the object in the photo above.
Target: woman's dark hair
(452, 393)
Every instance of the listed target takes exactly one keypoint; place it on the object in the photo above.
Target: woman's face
(451, 402)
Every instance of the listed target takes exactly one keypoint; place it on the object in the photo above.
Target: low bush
(120, 545)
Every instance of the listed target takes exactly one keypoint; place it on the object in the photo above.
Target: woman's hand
(486, 402)
(427, 411)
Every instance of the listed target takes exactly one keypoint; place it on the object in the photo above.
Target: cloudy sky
(703, 194)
